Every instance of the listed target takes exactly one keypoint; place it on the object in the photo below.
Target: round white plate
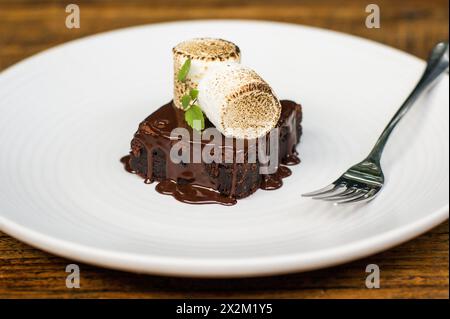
(67, 116)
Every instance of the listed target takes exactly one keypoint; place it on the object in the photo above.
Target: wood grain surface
(417, 269)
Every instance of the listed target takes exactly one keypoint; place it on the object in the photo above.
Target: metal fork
(364, 181)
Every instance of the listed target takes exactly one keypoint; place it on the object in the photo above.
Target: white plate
(67, 116)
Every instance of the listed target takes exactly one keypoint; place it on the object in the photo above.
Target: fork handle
(438, 64)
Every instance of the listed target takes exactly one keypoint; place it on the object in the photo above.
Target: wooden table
(418, 269)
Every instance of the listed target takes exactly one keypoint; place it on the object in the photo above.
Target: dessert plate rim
(226, 267)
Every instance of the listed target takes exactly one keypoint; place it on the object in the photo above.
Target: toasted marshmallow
(238, 101)
(204, 53)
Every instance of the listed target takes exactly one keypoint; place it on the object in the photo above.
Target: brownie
(221, 183)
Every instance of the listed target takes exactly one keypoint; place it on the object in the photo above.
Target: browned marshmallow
(238, 101)
(204, 53)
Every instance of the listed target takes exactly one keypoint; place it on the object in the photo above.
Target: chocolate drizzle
(193, 194)
(203, 183)
(275, 181)
(126, 164)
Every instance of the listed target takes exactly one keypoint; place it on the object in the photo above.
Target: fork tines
(342, 194)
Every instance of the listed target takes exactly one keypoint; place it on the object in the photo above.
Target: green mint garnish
(193, 114)
(193, 93)
(182, 74)
(185, 101)
(194, 117)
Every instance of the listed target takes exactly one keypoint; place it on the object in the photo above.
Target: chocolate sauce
(193, 194)
(197, 183)
(291, 159)
(275, 181)
(126, 164)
